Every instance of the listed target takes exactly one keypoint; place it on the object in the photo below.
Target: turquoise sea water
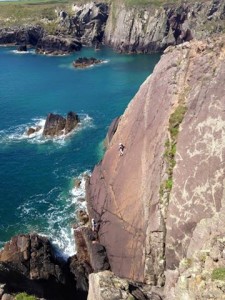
(37, 175)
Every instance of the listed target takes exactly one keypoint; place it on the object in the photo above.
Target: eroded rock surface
(150, 28)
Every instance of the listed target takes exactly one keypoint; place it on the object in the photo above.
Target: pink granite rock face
(146, 230)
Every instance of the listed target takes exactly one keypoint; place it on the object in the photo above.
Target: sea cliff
(126, 28)
(160, 205)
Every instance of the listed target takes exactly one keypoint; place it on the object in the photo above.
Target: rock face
(84, 62)
(27, 35)
(87, 23)
(150, 29)
(56, 125)
(56, 45)
(162, 202)
(28, 263)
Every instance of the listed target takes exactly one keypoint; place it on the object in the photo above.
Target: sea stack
(56, 125)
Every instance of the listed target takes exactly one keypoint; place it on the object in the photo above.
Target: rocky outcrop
(87, 23)
(26, 35)
(56, 125)
(162, 202)
(84, 62)
(28, 263)
(57, 45)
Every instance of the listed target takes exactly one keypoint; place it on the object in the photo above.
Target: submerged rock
(84, 62)
(57, 125)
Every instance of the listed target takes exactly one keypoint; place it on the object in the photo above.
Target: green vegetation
(170, 148)
(218, 274)
(24, 296)
(175, 120)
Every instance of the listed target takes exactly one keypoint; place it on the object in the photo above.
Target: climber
(93, 225)
(121, 148)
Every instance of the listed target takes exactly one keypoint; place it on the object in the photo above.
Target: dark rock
(81, 271)
(83, 62)
(56, 125)
(89, 250)
(27, 35)
(28, 263)
(57, 45)
(72, 120)
(22, 48)
(32, 130)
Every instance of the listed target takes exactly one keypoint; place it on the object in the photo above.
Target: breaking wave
(56, 218)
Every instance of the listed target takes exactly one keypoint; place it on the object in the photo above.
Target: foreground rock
(162, 202)
(84, 62)
(28, 263)
(57, 45)
(57, 125)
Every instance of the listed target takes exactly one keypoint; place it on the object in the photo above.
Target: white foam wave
(55, 219)
(30, 51)
(18, 133)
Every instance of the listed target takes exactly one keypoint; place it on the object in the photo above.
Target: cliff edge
(167, 189)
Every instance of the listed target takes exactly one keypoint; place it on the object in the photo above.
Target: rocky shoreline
(125, 29)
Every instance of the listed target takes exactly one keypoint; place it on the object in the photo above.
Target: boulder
(32, 130)
(84, 62)
(57, 45)
(56, 125)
